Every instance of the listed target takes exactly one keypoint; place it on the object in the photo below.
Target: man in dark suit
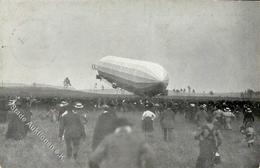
(167, 122)
(73, 127)
(104, 126)
(123, 148)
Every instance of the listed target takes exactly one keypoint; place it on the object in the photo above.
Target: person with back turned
(104, 125)
(210, 140)
(18, 116)
(73, 129)
(147, 119)
(123, 149)
(167, 122)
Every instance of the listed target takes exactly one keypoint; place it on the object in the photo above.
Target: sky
(208, 45)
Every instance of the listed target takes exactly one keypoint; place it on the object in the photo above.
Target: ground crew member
(73, 130)
(123, 149)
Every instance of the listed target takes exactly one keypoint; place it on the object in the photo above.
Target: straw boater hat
(64, 103)
(227, 109)
(203, 106)
(78, 105)
(157, 105)
(248, 110)
(11, 102)
(192, 105)
(105, 106)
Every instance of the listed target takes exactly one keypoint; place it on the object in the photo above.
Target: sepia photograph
(129, 84)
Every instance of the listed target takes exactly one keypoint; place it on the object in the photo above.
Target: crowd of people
(113, 141)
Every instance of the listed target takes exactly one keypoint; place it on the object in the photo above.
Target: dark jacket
(201, 117)
(209, 141)
(248, 117)
(104, 126)
(72, 126)
(17, 128)
(123, 150)
(167, 118)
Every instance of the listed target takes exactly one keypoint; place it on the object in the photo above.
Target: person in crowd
(248, 117)
(79, 108)
(52, 114)
(218, 117)
(147, 119)
(123, 149)
(201, 116)
(250, 135)
(73, 130)
(167, 122)
(190, 112)
(26, 110)
(62, 108)
(209, 139)
(18, 116)
(228, 116)
(104, 125)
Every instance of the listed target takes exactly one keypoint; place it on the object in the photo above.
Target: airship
(139, 77)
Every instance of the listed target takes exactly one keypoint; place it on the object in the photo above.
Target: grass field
(181, 153)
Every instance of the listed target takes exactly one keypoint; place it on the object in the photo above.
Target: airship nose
(159, 74)
(163, 76)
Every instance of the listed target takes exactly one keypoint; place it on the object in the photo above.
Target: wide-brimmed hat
(78, 105)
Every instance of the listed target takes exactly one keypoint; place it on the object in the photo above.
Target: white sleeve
(143, 116)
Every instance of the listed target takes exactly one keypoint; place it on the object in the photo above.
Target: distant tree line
(250, 93)
(183, 90)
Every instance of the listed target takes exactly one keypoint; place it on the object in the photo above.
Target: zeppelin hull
(139, 88)
(139, 77)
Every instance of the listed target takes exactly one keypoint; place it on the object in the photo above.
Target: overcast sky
(207, 45)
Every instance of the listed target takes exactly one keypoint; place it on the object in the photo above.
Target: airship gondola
(140, 77)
